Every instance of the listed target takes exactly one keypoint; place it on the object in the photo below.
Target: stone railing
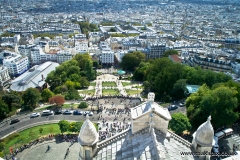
(155, 143)
(180, 139)
(113, 138)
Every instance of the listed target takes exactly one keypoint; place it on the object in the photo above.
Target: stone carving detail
(151, 97)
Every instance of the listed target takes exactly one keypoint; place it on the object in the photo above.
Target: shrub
(83, 105)
(40, 130)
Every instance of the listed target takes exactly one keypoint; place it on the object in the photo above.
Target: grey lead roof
(33, 79)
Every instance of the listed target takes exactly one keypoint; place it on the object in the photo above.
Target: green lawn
(133, 92)
(139, 87)
(28, 135)
(69, 106)
(109, 84)
(87, 92)
(65, 106)
(93, 84)
(126, 83)
(16, 140)
(110, 92)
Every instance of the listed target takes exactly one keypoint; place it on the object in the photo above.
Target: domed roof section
(204, 134)
(88, 134)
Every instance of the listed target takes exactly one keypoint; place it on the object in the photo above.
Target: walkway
(56, 152)
(111, 78)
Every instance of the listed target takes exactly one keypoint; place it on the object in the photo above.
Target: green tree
(170, 52)
(162, 75)
(83, 105)
(72, 94)
(7, 34)
(31, 97)
(132, 60)
(46, 94)
(73, 70)
(4, 110)
(84, 82)
(95, 64)
(146, 86)
(75, 126)
(69, 84)
(179, 89)
(89, 72)
(179, 123)
(113, 30)
(221, 102)
(140, 72)
(82, 59)
(12, 99)
(63, 125)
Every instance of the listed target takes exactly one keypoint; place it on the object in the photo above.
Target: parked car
(182, 104)
(90, 113)
(14, 121)
(77, 112)
(85, 113)
(67, 112)
(47, 112)
(172, 107)
(58, 111)
(33, 115)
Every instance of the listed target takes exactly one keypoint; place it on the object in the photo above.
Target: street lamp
(4, 152)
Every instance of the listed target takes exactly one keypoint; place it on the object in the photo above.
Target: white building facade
(107, 57)
(16, 64)
(38, 56)
(64, 55)
(4, 76)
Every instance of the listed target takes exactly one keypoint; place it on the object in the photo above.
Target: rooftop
(34, 77)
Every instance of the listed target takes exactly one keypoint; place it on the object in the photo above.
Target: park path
(110, 78)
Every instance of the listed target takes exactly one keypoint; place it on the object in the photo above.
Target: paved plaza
(56, 152)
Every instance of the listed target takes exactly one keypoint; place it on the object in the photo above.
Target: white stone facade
(64, 55)
(107, 57)
(4, 76)
(16, 64)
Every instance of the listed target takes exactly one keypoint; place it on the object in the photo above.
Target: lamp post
(4, 152)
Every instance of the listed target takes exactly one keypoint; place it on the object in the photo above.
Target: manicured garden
(93, 84)
(108, 92)
(87, 92)
(18, 139)
(126, 84)
(64, 106)
(133, 92)
(109, 84)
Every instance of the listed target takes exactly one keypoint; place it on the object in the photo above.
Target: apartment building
(64, 55)
(16, 64)
(156, 50)
(81, 47)
(38, 56)
(4, 77)
(107, 57)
